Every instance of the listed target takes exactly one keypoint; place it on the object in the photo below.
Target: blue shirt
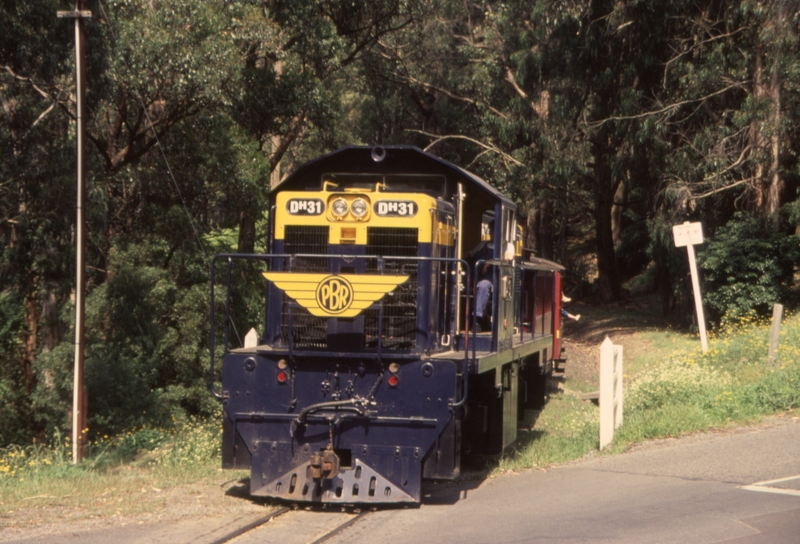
(483, 292)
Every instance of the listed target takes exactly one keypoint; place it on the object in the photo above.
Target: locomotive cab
(368, 374)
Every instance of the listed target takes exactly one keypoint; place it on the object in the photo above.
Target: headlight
(339, 207)
(358, 208)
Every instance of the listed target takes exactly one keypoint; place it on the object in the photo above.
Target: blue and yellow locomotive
(371, 372)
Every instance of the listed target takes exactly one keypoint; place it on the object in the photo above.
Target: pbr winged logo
(327, 295)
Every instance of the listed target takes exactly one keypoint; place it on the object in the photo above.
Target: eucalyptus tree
(297, 74)
(534, 95)
(731, 97)
(156, 73)
(192, 105)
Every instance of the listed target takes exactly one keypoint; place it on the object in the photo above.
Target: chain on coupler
(325, 463)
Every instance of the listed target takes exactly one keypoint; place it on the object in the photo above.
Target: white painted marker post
(610, 399)
(689, 235)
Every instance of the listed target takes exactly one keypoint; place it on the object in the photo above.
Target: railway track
(300, 526)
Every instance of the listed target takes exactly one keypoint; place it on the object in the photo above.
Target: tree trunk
(617, 210)
(52, 331)
(604, 188)
(776, 182)
(532, 229)
(663, 277)
(30, 333)
(539, 229)
(546, 233)
(756, 138)
(767, 183)
(247, 233)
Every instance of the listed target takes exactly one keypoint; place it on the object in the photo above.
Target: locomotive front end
(341, 400)
(369, 370)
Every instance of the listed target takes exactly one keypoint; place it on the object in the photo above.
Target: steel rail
(358, 515)
(342, 527)
(250, 526)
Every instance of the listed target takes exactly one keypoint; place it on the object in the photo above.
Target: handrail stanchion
(478, 266)
(267, 296)
(212, 346)
(466, 316)
(290, 330)
(465, 371)
(228, 304)
(380, 334)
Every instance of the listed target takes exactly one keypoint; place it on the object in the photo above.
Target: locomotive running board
(357, 484)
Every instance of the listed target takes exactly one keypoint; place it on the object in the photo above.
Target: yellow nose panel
(328, 295)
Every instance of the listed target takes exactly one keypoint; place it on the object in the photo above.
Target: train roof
(390, 159)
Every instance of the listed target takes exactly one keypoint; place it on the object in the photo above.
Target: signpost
(689, 235)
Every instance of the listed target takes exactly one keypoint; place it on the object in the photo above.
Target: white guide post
(775, 331)
(610, 390)
(689, 235)
(251, 339)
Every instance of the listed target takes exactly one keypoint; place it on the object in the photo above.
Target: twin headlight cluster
(358, 208)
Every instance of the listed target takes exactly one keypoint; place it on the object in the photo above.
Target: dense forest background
(607, 121)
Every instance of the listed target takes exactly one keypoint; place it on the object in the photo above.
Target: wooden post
(689, 235)
(79, 400)
(698, 299)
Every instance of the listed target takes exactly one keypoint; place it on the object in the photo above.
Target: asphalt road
(689, 491)
(740, 487)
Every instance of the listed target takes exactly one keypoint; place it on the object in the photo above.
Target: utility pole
(79, 401)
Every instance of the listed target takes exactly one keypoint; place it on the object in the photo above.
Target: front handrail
(267, 258)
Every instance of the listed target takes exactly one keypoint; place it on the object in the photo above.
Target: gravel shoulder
(206, 504)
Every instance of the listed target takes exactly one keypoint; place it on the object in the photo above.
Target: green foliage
(731, 383)
(678, 382)
(567, 429)
(15, 415)
(748, 265)
(154, 458)
(132, 443)
(559, 104)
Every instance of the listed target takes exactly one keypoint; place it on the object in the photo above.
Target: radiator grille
(302, 239)
(399, 307)
(308, 331)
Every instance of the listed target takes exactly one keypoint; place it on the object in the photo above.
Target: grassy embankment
(671, 389)
(123, 475)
